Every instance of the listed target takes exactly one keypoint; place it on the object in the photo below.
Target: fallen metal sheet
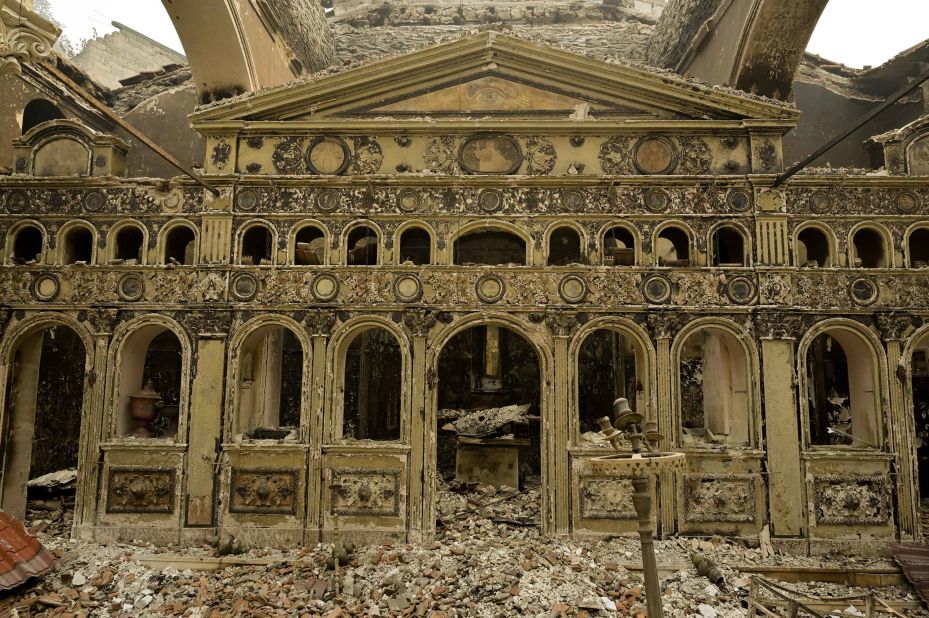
(54, 480)
(913, 558)
(22, 556)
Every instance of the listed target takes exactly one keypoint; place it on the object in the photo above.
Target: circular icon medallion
(820, 202)
(45, 287)
(490, 154)
(490, 288)
(328, 156)
(94, 201)
(573, 199)
(864, 292)
(328, 200)
(654, 155)
(408, 288)
(17, 202)
(908, 203)
(657, 200)
(324, 287)
(131, 287)
(408, 200)
(573, 289)
(244, 287)
(490, 200)
(739, 200)
(247, 200)
(741, 290)
(656, 290)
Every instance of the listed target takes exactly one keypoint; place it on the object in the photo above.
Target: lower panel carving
(729, 498)
(367, 493)
(852, 500)
(136, 489)
(606, 498)
(270, 491)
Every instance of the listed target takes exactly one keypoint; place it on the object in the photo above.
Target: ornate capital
(562, 324)
(207, 324)
(419, 321)
(893, 326)
(664, 325)
(320, 323)
(25, 37)
(779, 326)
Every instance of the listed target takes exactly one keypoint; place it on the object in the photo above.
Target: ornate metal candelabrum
(640, 467)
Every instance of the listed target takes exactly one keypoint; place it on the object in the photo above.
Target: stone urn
(142, 410)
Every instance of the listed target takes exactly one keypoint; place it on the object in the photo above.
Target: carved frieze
(606, 498)
(365, 492)
(852, 500)
(139, 489)
(730, 498)
(870, 201)
(267, 491)
(134, 200)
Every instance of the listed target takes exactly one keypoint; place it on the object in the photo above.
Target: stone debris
(481, 423)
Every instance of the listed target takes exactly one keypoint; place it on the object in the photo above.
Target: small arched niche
(672, 247)
(28, 245)
(361, 246)
(415, 246)
(372, 387)
(77, 246)
(728, 248)
(618, 247)
(38, 111)
(310, 249)
(180, 246)
(490, 247)
(813, 249)
(269, 385)
(870, 250)
(918, 248)
(128, 244)
(564, 247)
(842, 399)
(611, 365)
(256, 246)
(151, 362)
(714, 387)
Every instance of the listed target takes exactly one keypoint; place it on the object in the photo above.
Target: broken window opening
(919, 248)
(491, 248)
(45, 398)
(488, 421)
(673, 247)
(870, 251)
(841, 394)
(373, 383)
(920, 385)
(362, 246)
(714, 389)
(610, 365)
(78, 246)
(310, 247)
(415, 247)
(180, 246)
(618, 247)
(256, 246)
(38, 111)
(129, 242)
(27, 245)
(270, 385)
(149, 393)
(813, 249)
(728, 248)
(564, 247)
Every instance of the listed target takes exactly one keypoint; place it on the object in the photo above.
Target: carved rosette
(268, 491)
(852, 500)
(25, 37)
(606, 498)
(365, 492)
(138, 489)
(719, 498)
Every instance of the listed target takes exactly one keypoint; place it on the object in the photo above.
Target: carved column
(663, 328)
(778, 333)
(900, 424)
(562, 326)
(319, 324)
(25, 37)
(420, 323)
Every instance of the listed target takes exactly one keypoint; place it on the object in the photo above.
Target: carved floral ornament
(25, 37)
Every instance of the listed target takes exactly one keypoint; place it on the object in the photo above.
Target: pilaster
(319, 324)
(663, 328)
(420, 323)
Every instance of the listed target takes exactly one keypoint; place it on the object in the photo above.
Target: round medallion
(247, 200)
(324, 287)
(94, 201)
(490, 154)
(657, 290)
(490, 200)
(739, 200)
(328, 200)
(907, 203)
(17, 202)
(131, 287)
(408, 288)
(863, 291)
(45, 287)
(328, 156)
(572, 289)
(408, 200)
(490, 288)
(741, 290)
(657, 200)
(573, 199)
(654, 155)
(820, 202)
(288, 157)
(244, 287)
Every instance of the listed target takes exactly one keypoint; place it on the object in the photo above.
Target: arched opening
(256, 246)
(713, 373)
(919, 365)
(489, 420)
(151, 362)
(870, 251)
(415, 247)
(490, 247)
(841, 391)
(311, 246)
(129, 241)
(728, 248)
(918, 244)
(27, 245)
(813, 249)
(610, 365)
(564, 247)
(672, 247)
(44, 399)
(38, 111)
(78, 246)
(618, 247)
(269, 400)
(180, 246)
(362, 247)
(372, 387)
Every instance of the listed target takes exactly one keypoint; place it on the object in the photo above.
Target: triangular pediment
(489, 74)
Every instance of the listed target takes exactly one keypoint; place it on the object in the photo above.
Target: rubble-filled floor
(485, 561)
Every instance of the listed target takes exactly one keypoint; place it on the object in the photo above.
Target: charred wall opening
(180, 246)
(490, 247)
(270, 385)
(610, 366)
(373, 387)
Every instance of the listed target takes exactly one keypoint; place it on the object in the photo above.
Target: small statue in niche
(143, 411)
